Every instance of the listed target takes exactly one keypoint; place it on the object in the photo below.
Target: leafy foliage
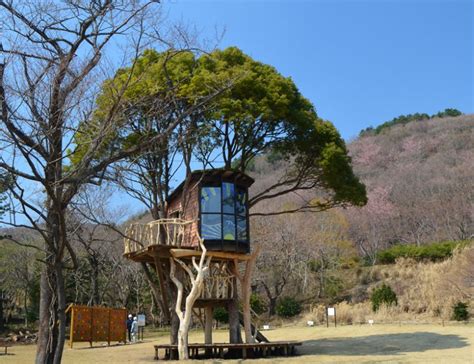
(288, 307)
(432, 252)
(383, 295)
(220, 314)
(257, 304)
(460, 311)
(405, 119)
(258, 110)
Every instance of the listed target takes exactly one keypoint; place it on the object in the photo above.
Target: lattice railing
(158, 232)
(219, 284)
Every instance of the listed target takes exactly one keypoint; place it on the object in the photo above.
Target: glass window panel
(211, 199)
(228, 198)
(229, 227)
(241, 201)
(242, 228)
(211, 226)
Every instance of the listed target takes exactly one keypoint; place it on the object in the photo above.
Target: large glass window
(228, 198)
(211, 199)
(211, 226)
(224, 213)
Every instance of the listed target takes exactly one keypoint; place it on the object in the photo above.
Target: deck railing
(158, 232)
(219, 283)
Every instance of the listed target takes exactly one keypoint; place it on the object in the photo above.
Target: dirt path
(346, 344)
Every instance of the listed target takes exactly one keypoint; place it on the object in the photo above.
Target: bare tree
(48, 83)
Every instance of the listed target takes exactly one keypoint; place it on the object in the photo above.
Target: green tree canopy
(255, 110)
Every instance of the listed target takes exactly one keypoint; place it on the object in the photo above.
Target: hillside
(419, 178)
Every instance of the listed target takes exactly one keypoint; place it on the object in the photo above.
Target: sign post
(331, 311)
(141, 321)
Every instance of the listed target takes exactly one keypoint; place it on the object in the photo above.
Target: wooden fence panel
(97, 324)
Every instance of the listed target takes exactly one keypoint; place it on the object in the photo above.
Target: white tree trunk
(197, 280)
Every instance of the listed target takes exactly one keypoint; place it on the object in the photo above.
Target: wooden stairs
(259, 336)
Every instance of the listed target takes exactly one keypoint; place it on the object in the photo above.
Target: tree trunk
(47, 334)
(174, 319)
(95, 296)
(183, 353)
(61, 312)
(52, 321)
(245, 284)
(2, 321)
(25, 306)
(272, 305)
(157, 292)
(174, 328)
(235, 336)
(208, 328)
(197, 281)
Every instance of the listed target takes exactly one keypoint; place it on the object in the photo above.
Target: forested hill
(419, 178)
(405, 119)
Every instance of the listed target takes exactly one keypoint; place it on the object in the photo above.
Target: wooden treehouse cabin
(210, 207)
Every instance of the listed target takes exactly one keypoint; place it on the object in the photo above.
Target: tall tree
(48, 81)
(158, 94)
(256, 110)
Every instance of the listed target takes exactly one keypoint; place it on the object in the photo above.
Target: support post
(245, 286)
(208, 328)
(164, 292)
(235, 336)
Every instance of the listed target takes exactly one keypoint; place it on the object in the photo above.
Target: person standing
(129, 327)
(134, 329)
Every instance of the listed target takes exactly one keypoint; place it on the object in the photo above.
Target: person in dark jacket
(129, 327)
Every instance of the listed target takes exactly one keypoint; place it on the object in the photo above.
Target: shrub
(460, 312)
(220, 314)
(257, 304)
(433, 252)
(288, 307)
(383, 295)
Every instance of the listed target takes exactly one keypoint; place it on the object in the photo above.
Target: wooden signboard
(97, 324)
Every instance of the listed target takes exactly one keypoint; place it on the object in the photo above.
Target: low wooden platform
(226, 350)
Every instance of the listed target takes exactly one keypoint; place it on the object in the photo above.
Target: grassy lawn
(344, 344)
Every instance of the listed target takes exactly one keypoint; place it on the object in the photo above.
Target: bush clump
(383, 295)
(288, 307)
(221, 315)
(257, 304)
(433, 252)
(460, 312)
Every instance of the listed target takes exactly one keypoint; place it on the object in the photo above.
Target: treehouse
(202, 247)
(211, 205)
(217, 203)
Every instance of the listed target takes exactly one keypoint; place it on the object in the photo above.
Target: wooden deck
(226, 350)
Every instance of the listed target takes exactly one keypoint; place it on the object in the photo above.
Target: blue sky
(360, 62)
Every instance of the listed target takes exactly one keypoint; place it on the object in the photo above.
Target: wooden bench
(217, 350)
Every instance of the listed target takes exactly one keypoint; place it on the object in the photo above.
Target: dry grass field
(346, 344)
